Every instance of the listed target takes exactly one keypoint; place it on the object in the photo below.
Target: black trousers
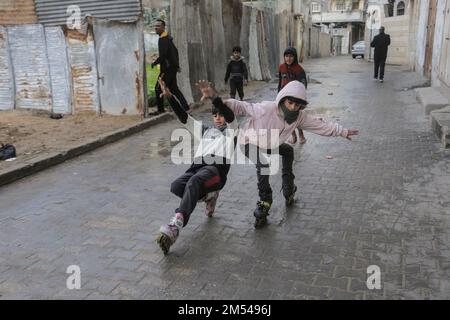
(170, 78)
(265, 190)
(194, 186)
(237, 84)
(380, 64)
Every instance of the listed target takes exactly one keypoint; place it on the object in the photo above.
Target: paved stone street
(382, 200)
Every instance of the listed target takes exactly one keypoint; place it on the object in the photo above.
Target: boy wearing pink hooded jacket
(283, 115)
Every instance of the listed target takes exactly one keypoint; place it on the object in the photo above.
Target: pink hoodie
(267, 115)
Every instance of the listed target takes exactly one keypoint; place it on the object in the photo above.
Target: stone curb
(18, 172)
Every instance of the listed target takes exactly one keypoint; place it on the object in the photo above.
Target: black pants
(265, 190)
(194, 186)
(380, 64)
(170, 78)
(237, 84)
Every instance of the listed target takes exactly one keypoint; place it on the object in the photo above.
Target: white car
(359, 49)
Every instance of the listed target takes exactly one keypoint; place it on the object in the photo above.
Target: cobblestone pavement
(382, 200)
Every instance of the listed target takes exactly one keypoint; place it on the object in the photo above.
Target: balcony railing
(338, 16)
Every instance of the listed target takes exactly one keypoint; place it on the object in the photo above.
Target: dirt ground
(36, 134)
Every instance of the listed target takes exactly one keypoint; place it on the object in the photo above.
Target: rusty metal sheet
(6, 79)
(59, 69)
(119, 49)
(83, 68)
(30, 67)
(54, 12)
(13, 12)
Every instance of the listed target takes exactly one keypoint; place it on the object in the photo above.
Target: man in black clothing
(169, 64)
(381, 43)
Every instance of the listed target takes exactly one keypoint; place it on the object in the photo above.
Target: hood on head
(293, 51)
(294, 89)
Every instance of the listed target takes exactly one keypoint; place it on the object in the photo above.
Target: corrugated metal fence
(6, 78)
(46, 66)
(30, 66)
(17, 12)
(54, 12)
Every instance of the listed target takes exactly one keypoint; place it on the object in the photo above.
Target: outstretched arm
(328, 129)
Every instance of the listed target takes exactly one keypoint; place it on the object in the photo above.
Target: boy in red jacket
(289, 71)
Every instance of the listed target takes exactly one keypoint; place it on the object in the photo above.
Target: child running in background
(237, 74)
(289, 71)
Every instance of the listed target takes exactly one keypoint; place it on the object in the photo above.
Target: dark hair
(215, 111)
(292, 51)
(237, 49)
(162, 21)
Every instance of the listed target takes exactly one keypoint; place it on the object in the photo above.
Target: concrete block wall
(398, 29)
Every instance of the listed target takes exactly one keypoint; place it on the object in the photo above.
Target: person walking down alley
(289, 71)
(208, 173)
(280, 117)
(381, 42)
(169, 65)
(237, 73)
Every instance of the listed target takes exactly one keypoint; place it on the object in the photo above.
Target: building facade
(432, 57)
(343, 19)
(397, 17)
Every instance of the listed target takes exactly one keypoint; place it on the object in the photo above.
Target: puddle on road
(161, 148)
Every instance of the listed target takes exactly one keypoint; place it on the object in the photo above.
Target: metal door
(120, 60)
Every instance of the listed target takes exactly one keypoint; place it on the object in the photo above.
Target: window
(355, 5)
(315, 7)
(401, 8)
(340, 5)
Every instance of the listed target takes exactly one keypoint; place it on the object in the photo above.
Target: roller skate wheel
(260, 222)
(164, 243)
(290, 202)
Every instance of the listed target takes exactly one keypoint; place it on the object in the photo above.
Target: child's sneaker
(168, 234)
(211, 200)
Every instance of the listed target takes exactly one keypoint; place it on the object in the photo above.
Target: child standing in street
(208, 173)
(289, 71)
(237, 74)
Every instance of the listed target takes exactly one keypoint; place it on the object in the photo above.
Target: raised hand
(207, 90)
